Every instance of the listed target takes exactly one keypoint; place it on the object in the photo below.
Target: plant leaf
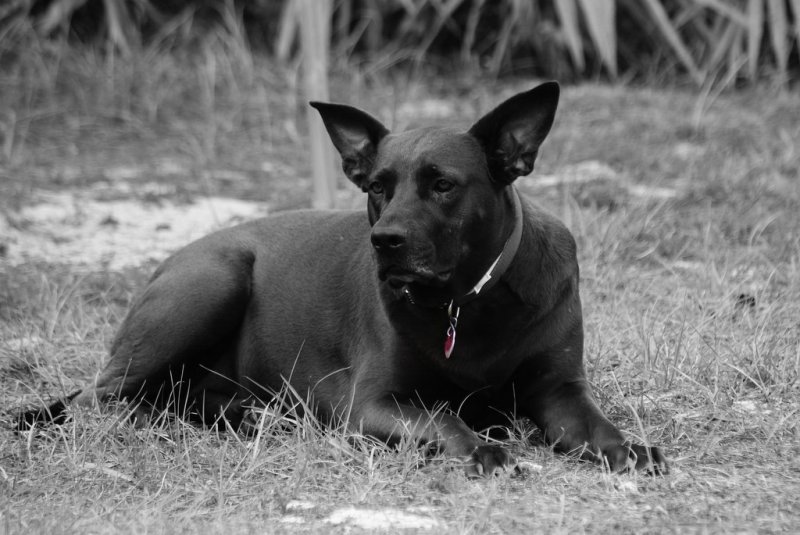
(778, 28)
(599, 17)
(471, 29)
(755, 29)
(722, 45)
(661, 19)
(737, 58)
(796, 9)
(724, 9)
(568, 15)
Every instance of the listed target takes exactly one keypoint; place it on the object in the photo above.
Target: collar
(503, 260)
(500, 264)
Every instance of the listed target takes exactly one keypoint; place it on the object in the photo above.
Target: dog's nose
(388, 239)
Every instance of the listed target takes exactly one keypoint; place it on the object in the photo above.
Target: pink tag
(450, 342)
(450, 339)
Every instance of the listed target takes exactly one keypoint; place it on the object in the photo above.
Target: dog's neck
(489, 279)
(496, 269)
(503, 260)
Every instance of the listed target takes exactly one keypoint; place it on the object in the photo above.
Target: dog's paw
(489, 461)
(630, 457)
(54, 414)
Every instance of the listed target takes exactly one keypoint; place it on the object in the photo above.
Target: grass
(689, 247)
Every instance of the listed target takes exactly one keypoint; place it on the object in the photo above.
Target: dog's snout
(388, 239)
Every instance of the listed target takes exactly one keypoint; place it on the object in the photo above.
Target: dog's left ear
(355, 134)
(512, 132)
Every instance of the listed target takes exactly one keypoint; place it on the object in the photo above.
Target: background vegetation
(706, 41)
(682, 192)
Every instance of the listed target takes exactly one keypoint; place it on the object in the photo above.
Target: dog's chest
(487, 344)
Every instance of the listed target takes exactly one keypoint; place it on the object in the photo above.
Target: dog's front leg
(573, 422)
(388, 419)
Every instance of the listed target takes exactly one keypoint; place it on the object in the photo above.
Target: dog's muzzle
(407, 266)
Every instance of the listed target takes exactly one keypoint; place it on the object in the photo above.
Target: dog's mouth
(425, 296)
(423, 287)
(397, 277)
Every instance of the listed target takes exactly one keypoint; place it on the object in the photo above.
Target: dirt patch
(77, 228)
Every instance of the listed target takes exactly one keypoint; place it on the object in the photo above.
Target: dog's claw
(635, 457)
(489, 461)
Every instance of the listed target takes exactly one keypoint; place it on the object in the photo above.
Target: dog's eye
(443, 186)
(376, 188)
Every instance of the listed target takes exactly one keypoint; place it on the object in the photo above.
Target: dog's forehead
(430, 146)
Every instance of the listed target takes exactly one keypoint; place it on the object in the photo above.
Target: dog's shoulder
(313, 219)
(303, 225)
(547, 241)
(301, 230)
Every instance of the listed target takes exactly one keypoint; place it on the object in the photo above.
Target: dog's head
(439, 200)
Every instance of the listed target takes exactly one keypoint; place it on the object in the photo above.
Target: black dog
(453, 290)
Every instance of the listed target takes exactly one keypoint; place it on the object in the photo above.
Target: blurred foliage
(710, 42)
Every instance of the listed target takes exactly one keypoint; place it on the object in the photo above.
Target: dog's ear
(512, 132)
(355, 134)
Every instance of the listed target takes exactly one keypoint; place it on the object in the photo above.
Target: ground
(686, 209)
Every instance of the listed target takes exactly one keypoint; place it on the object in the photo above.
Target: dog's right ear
(355, 134)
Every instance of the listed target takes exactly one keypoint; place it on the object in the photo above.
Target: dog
(451, 291)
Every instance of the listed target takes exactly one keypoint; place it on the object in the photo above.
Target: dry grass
(689, 240)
